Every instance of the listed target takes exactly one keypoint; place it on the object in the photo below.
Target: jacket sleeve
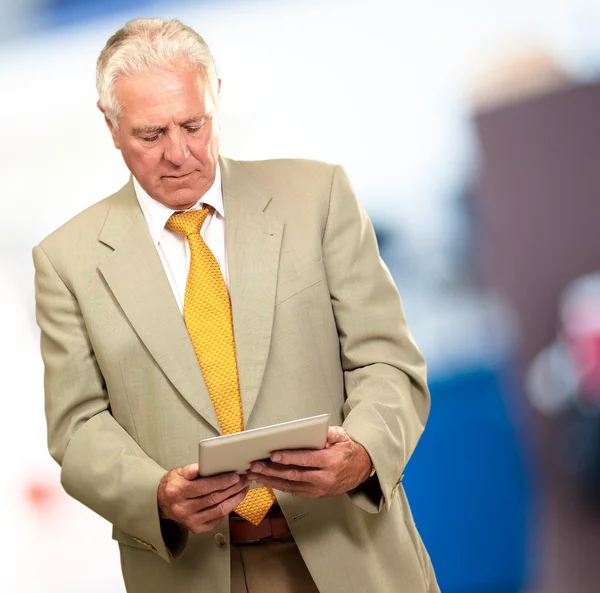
(387, 399)
(101, 465)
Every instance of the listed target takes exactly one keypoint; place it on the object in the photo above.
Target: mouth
(184, 176)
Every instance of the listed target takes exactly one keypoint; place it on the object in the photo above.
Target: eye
(194, 129)
(150, 138)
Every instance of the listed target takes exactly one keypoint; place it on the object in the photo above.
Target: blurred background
(471, 131)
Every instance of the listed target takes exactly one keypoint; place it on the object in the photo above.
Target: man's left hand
(341, 466)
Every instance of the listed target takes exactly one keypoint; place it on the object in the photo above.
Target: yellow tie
(207, 314)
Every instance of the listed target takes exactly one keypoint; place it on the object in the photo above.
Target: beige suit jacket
(319, 328)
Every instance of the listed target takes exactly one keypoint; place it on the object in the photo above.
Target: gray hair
(148, 44)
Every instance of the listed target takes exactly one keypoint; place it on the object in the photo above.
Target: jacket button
(220, 539)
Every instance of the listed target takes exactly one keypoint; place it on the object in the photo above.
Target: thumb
(336, 434)
(190, 472)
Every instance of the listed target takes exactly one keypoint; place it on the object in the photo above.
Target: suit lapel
(136, 277)
(253, 246)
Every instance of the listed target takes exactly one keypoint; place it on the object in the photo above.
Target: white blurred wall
(379, 86)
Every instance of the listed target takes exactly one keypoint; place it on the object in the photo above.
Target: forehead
(163, 95)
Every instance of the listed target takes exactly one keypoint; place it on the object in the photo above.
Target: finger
(206, 526)
(299, 488)
(293, 473)
(204, 486)
(185, 510)
(217, 497)
(218, 511)
(336, 434)
(190, 472)
(301, 458)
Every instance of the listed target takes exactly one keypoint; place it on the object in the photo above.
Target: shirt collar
(157, 214)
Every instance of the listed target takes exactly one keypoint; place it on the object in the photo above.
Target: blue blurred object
(69, 12)
(467, 485)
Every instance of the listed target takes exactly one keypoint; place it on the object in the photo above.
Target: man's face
(168, 134)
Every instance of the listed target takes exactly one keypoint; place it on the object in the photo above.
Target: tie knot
(187, 223)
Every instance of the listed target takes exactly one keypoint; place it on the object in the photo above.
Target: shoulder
(291, 175)
(287, 167)
(83, 229)
(299, 194)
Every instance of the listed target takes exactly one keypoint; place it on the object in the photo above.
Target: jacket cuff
(165, 538)
(368, 495)
(376, 492)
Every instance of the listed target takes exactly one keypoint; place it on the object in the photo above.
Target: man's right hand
(199, 503)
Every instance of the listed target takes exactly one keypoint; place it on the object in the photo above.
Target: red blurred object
(586, 355)
(580, 317)
(41, 495)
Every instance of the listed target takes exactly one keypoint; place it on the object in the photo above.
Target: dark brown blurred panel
(537, 218)
(538, 213)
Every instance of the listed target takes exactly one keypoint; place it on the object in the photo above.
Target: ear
(113, 131)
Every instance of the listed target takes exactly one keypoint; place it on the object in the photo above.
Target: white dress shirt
(173, 249)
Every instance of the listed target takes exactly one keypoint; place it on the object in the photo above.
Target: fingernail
(258, 467)
(276, 457)
(235, 479)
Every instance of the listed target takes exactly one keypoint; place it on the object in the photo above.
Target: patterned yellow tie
(207, 314)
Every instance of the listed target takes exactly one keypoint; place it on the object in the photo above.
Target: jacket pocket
(300, 281)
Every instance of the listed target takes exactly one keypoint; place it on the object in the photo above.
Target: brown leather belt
(273, 525)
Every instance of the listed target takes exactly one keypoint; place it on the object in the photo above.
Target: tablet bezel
(235, 452)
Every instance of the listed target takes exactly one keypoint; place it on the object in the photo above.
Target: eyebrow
(142, 129)
(146, 130)
(201, 117)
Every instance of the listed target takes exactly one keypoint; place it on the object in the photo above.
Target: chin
(181, 199)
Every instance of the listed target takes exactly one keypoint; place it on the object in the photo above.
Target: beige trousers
(269, 566)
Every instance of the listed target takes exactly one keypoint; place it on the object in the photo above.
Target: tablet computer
(235, 452)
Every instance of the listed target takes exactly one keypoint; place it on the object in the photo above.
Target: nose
(176, 150)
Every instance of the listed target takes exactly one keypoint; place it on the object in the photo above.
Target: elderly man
(210, 296)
